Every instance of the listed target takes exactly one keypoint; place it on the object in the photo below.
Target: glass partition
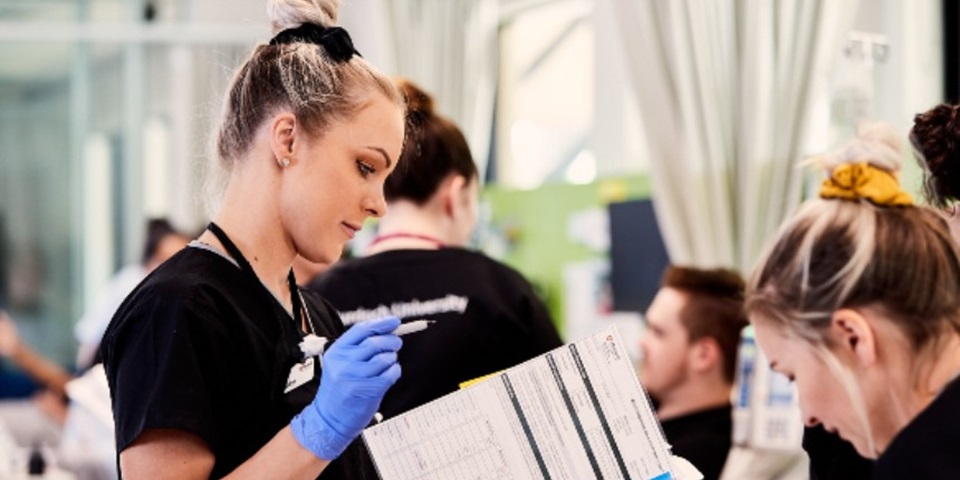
(105, 110)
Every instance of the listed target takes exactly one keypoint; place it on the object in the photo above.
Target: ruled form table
(574, 413)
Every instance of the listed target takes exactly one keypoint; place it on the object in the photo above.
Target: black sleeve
(165, 366)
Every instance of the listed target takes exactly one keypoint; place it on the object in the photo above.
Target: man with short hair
(689, 356)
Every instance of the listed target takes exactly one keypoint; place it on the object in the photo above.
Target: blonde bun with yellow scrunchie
(865, 169)
(863, 181)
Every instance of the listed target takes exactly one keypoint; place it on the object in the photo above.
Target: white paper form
(575, 413)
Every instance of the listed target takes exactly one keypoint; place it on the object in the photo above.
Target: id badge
(300, 374)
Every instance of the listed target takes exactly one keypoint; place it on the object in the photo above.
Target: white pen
(413, 326)
(403, 329)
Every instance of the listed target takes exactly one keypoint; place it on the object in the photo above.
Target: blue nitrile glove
(358, 368)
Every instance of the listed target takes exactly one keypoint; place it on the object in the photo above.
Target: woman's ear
(453, 191)
(283, 130)
(853, 334)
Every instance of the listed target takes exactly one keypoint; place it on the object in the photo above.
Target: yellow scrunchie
(855, 181)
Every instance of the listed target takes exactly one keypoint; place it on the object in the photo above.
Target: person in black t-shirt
(688, 358)
(212, 361)
(856, 300)
(487, 316)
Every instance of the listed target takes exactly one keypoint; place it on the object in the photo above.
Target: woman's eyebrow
(386, 158)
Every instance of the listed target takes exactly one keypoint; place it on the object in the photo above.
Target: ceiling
(38, 38)
(24, 64)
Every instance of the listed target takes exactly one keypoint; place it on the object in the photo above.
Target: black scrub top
(199, 347)
(487, 316)
(928, 447)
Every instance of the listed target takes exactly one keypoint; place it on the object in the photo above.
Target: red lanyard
(417, 236)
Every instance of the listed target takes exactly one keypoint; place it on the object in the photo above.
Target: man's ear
(283, 131)
(853, 334)
(705, 354)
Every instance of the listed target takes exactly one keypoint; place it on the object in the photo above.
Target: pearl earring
(284, 162)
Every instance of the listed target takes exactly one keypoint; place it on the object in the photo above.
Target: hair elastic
(856, 181)
(335, 40)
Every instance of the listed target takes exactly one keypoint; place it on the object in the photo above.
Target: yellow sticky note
(478, 380)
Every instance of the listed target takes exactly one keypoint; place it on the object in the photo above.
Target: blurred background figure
(35, 418)
(487, 315)
(41, 370)
(162, 241)
(72, 415)
(688, 359)
(934, 139)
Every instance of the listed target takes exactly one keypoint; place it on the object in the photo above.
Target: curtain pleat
(449, 47)
(724, 88)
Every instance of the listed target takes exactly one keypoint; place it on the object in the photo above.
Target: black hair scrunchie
(335, 40)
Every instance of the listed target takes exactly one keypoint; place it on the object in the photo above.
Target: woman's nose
(375, 206)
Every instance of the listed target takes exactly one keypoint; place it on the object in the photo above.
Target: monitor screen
(637, 255)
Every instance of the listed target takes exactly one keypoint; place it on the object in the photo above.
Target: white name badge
(300, 374)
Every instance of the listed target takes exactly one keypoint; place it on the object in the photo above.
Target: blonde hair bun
(286, 14)
(876, 143)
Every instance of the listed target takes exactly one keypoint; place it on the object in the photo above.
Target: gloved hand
(358, 368)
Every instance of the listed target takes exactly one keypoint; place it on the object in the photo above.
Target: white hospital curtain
(724, 90)
(449, 47)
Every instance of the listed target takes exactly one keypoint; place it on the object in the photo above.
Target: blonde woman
(205, 359)
(857, 300)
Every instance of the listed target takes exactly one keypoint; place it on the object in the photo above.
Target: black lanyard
(234, 252)
(291, 332)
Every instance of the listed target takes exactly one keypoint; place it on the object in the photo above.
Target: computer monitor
(638, 255)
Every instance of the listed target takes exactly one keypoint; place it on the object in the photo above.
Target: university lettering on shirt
(409, 309)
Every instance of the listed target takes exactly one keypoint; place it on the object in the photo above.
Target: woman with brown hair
(935, 138)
